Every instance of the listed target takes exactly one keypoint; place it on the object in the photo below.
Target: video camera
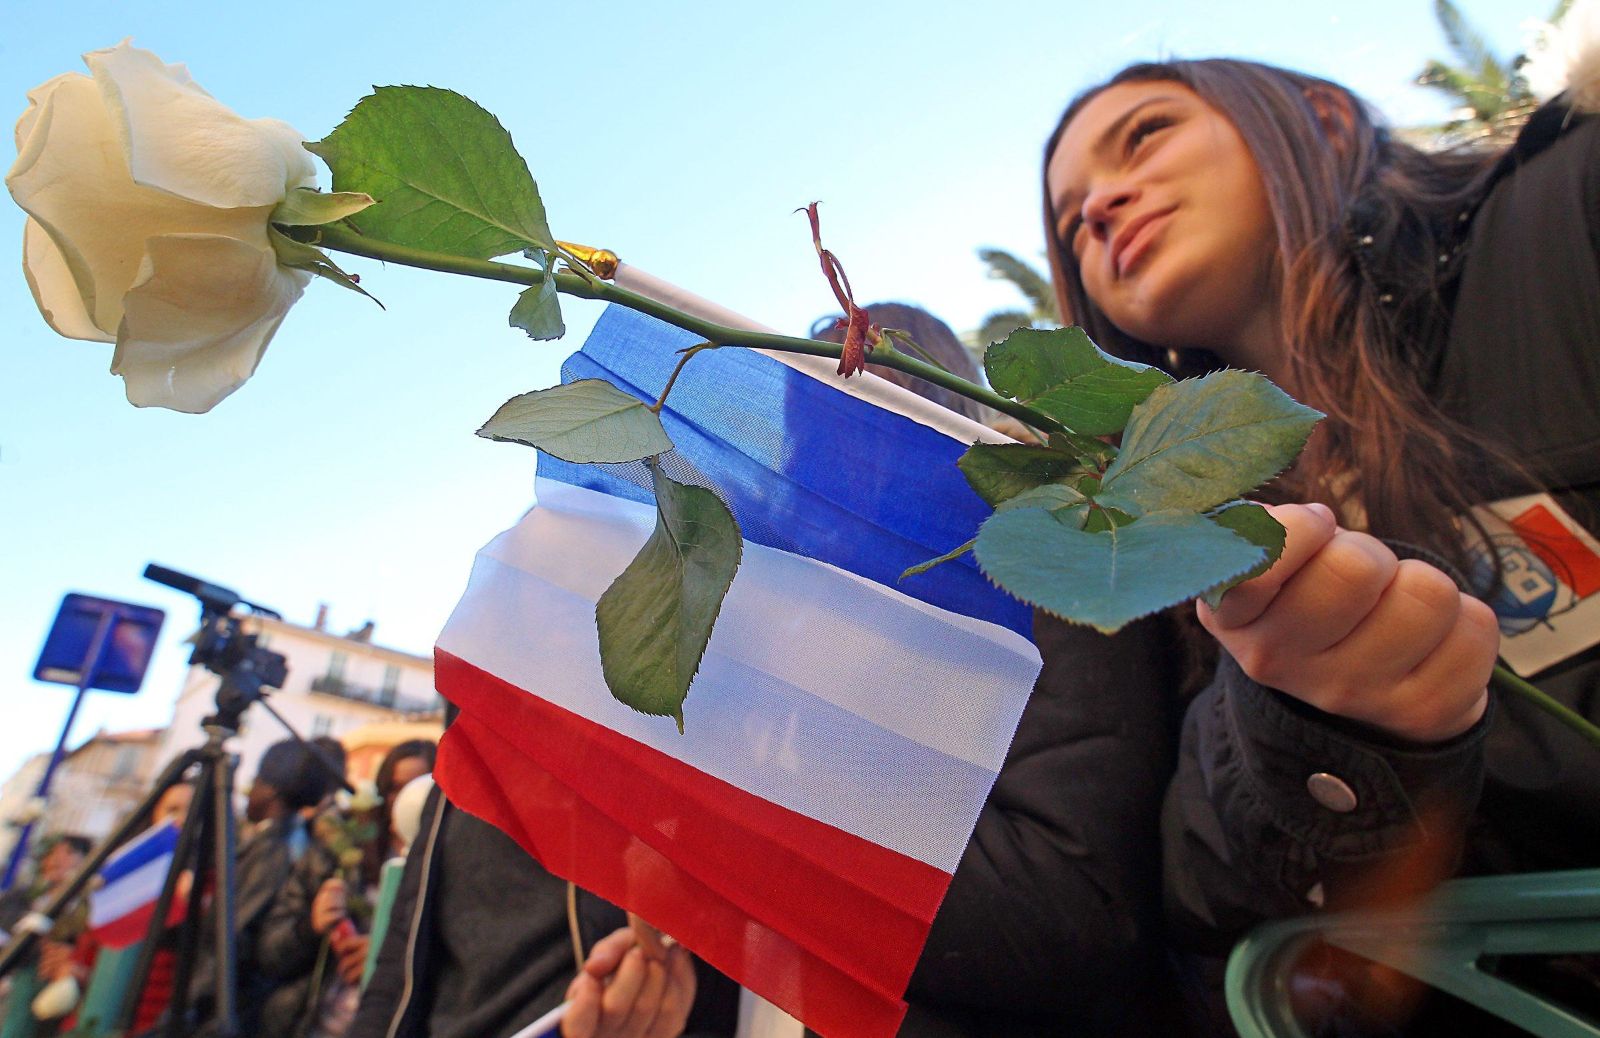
(222, 646)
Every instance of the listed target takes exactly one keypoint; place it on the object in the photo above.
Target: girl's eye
(1071, 234)
(1144, 128)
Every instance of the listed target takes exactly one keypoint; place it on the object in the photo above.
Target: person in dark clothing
(459, 964)
(1443, 310)
(309, 941)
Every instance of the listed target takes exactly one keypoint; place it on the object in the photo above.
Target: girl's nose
(1102, 205)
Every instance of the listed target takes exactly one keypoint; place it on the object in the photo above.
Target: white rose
(149, 204)
(366, 796)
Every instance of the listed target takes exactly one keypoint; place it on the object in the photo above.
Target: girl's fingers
(1452, 682)
(1332, 594)
(607, 953)
(678, 997)
(1309, 527)
(583, 1011)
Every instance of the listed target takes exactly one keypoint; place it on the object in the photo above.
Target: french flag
(120, 910)
(845, 726)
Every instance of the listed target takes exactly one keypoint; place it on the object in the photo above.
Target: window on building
(333, 681)
(321, 724)
(391, 685)
(125, 763)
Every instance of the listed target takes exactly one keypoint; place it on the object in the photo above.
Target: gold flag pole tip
(602, 261)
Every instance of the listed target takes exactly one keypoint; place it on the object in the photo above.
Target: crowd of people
(1322, 738)
(306, 878)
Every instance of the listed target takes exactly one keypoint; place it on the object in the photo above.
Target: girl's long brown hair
(1368, 230)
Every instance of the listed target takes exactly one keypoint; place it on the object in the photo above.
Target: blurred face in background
(60, 863)
(405, 769)
(173, 805)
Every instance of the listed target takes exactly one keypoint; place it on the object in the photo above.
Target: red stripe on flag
(823, 923)
(131, 928)
(1571, 560)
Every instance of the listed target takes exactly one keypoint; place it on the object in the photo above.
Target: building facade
(336, 684)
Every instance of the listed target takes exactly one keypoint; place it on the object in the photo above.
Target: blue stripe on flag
(153, 844)
(772, 441)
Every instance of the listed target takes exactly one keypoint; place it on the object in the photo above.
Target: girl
(1443, 309)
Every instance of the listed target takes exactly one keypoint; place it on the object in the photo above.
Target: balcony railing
(332, 685)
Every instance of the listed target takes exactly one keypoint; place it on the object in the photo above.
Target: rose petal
(198, 318)
(36, 98)
(53, 288)
(71, 177)
(180, 139)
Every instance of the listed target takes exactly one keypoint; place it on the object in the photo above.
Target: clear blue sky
(681, 135)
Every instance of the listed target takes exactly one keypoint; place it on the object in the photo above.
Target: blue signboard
(122, 635)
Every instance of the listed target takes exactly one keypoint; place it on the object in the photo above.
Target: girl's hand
(629, 988)
(1340, 623)
(328, 907)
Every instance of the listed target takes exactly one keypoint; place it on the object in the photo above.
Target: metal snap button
(1332, 792)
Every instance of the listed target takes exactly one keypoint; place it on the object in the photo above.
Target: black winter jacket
(290, 952)
(481, 941)
(1244, 838)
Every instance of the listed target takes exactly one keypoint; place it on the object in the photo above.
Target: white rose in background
(149, 205)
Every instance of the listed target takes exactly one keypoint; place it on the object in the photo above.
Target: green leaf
(1256, 525)
(1095, 452)
(1197, 443)
(538, 308)
(308, 207)
(1108, 579)
(656, 618)
(582, 422)
(1061, 372)
(1052, 496)
(998, 471)
(949, 556)
(300, 256)
(444, 171)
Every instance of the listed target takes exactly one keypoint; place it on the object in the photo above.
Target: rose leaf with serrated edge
(444, 171)
(1197, 443)
(1108, 579)
(538, 308)
(1256, 525)
(1051, 496)
(1061, 372)
(997, 471)
(583, 422)
(656, 618)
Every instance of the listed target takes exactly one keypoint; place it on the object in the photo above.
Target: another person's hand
(350, 955)
(328, 907)
(1340, 623)
(633, 985)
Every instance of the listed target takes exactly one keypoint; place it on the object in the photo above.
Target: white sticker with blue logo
(1548, 601)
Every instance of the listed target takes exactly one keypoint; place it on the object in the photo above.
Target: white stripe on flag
(824, 693)
(132, 892)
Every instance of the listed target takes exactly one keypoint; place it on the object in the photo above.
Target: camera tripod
(207, 841)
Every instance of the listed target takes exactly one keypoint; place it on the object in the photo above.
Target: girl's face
(1163, 208)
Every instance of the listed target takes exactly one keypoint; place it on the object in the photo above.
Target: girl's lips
(1136, 239)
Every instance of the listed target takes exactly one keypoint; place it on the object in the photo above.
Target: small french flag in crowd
(845, 726)
(121, 909)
